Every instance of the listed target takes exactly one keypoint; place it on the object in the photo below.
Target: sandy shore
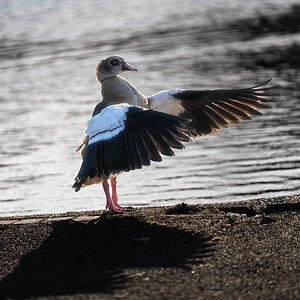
(237, 250)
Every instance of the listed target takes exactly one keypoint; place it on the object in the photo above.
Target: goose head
(111, 67)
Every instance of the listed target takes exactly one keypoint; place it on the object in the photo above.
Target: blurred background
(48, 54)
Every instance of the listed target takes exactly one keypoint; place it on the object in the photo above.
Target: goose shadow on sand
(91, 257)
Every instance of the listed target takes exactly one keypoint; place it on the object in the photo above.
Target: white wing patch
(107, 124)
(165, 102)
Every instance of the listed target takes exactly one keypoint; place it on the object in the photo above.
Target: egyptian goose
(128, 130)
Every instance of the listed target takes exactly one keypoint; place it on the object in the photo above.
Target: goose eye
(114, 62)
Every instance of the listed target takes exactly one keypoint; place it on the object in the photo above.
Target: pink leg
(113, 181)
(109, 202)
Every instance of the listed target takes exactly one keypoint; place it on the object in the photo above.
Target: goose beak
(128, 67)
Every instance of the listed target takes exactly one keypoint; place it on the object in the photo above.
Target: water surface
(48, 53)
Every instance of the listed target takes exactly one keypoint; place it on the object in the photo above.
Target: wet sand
(234, 250)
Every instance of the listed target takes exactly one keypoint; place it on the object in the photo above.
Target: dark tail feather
(88, 168)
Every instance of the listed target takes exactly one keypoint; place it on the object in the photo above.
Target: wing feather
(211, 110)
(123, 137)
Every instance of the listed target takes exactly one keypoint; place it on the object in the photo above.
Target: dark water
(49, 50)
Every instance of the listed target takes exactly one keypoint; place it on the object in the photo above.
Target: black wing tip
(78, 184)
(262, 86)
(76, 187)
(266, 82)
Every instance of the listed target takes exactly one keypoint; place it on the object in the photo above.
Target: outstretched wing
(124, 137)
(212, 110)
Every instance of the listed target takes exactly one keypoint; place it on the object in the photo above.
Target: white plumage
(165, 102)
(107, 124)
